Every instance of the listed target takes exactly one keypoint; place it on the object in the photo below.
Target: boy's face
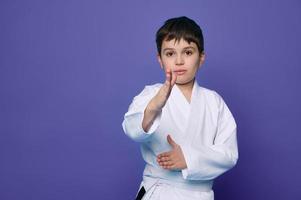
(181, 58)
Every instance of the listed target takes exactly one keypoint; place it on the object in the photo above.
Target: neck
(187, 87)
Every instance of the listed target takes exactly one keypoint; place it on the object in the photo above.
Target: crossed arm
(196, 163)
(205, 162)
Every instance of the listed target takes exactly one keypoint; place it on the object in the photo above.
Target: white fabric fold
(204, 128)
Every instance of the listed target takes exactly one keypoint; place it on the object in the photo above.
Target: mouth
(180, 71)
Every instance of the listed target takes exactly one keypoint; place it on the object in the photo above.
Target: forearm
(150, 113)
(207, 163)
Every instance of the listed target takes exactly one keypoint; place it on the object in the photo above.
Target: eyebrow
(189, 47)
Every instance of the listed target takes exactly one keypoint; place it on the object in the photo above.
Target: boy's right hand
(157, 103)
(164, 92)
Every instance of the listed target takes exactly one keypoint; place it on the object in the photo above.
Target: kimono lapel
(197, 114)
(179, 109)
(187, 118)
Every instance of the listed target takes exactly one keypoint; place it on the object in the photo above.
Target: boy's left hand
(173, 159)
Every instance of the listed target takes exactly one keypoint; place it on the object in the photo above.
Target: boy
(186, 132)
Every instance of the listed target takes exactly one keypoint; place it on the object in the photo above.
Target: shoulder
(213, 99)
(216, 100)
(153, 86)
(211, 94)
(150, 89)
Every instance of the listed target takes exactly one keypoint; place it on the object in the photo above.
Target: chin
(184, 82)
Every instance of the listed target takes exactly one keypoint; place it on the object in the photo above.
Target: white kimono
(206, 131)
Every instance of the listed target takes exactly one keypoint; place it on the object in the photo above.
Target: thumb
(171, 141)
(173, 78)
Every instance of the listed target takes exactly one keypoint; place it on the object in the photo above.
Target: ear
(160, 61)
(202, 59)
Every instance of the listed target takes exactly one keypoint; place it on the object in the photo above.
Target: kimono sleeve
(208, 162)
(132, 123)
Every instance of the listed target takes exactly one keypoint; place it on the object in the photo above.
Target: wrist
(154, 107)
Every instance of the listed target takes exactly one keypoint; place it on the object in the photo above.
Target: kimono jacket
(205, 130)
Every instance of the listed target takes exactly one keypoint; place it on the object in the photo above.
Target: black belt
(140, 193)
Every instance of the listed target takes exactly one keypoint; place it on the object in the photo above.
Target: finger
(170, 167)
(168, 77)
(162, 159)
(171, 141)
(167, 163)
(165, 154)
(173, 79)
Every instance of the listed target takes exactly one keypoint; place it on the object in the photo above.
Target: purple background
(69, 69)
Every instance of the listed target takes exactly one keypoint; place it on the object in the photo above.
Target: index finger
(165, 154)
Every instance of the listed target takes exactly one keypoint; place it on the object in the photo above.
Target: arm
(151, 112)
(143, 116)
(209, 162)
(133, 119)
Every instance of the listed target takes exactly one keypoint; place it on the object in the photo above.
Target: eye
(168, 54)
(189, 53)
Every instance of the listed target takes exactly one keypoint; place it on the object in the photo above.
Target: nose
(179, 60)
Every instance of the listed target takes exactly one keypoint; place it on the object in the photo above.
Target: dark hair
(178, 28)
